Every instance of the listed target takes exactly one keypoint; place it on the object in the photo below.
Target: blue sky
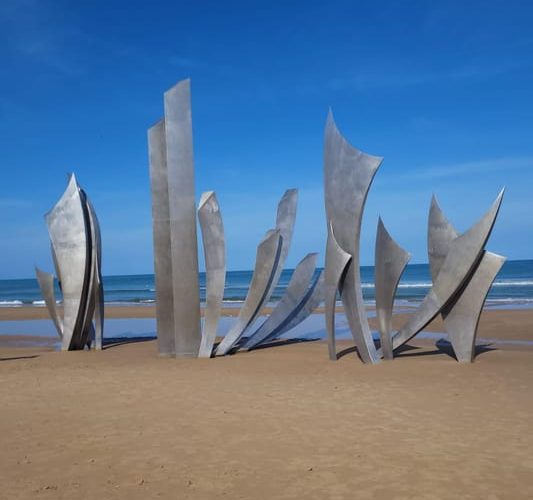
(442, 90)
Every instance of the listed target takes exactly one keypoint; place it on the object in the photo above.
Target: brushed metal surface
(313, 298)
(164, 289)
(462, 319)
(390, 262)
(182, 214)
(461, 315)
(46, 284)
(97, 288)
(348, 174)
(337, 261)
(289, 303)
(285, 220)
(68, 234)
(212, 230)
(463, 256)
(268, 253)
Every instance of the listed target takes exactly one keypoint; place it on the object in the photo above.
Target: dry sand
(283, 422)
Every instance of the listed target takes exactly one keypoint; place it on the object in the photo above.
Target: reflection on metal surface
(76, 251)
(461, 315)
(182, 215)
(164, 291)
(215, 268)
(348, 174)
(46, 284)
(290, 304)
(461, 260)
(337, 261)
(390, 262)
(267, 258)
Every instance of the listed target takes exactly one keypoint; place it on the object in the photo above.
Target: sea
(512, 288)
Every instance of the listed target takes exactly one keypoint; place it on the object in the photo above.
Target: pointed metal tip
(180, 84)
(498, 201)
(156, 124)
(206, 195)
(269, 234)
(330, 120)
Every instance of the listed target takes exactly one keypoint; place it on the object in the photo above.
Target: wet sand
(283, 422)
(514, 324)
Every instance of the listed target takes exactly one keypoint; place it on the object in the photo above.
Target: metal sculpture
(266, 262)
(294, 299)
(76, 250)
(312, 299)
(215, 268)
(463, 255)
(462, 270)
(176, 253)
(164, 290)
(175, 244)
(461, 316)
(390, 262)
(337, 261)
(348, 174)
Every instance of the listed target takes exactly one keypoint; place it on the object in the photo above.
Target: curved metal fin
(390, 262)
(97, 289)
(215, 268)
(182, 216)
(440, 236)
(285, 220)
(337, 261)
(461, 315)
(462, 258)
(314, 297)
(87, 328)
(268, 253)
(164, 289)
(462, 320)
(348, 174)
(68, 234)
(289, 304)
(46, 284)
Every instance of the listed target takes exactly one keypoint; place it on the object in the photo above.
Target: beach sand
(283, 422)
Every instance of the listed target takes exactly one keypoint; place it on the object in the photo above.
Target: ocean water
(512, 287)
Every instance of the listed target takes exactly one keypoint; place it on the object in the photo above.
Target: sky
(441, 90)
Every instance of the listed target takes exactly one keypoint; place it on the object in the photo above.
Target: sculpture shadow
(401, 349)
(445, 346)
(283, 342)
(407, 350)
(15, 358)
(275, 343)
(109, 343)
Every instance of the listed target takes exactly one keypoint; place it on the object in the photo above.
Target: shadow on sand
(442, 347)
(15, 358)
(118, 341)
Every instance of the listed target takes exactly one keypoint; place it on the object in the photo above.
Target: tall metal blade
(215, 268)
(337, 262)
(67, 229)
(390, 262)
(268, 253)
(182, 214)
(46, 284)
(348, 174)
(289, 304)
(463, 256)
